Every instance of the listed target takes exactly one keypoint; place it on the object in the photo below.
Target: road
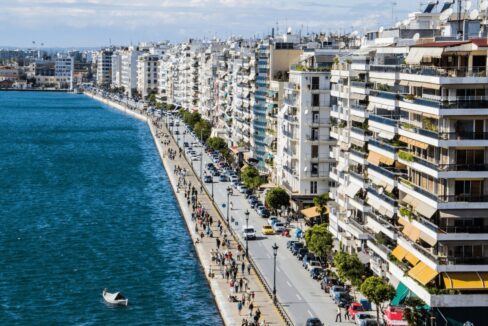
(301, 296)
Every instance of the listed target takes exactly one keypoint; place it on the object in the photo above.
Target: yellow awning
(376, 159)
(467, 280)
(422, 273)
(312, 212)
(411, 258)
(414, 142)
(399, 252)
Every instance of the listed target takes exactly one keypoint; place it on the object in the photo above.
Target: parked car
(362, 316)
(296, 246)
(302, 252)
(207, 179)
(308, 257)
(234, 178)
(342, 299)
(290, 243)
(328, 282)
(263, 212)
(248, 193)
(315, 272)
(185, 144)
(272, 220)
(267, 230)
(354, 308)
(336, 288)
(279, 227)
(249, 233)
(242, 188)
(215, 173)
(312, 263)
(251, 198)
(223, 178)
(313, 322)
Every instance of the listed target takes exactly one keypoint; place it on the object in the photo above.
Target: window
(315, 117)
(469, 187)
(315, 134)
(315, 151)
(315, 82)
(314, 169)
(315, 99)
(313, 187)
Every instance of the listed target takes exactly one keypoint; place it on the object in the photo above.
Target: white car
(313, 263)
(234, 178)
(249, 233)
(362, 316)
(242, 188)
(279, 227)
(272, 219)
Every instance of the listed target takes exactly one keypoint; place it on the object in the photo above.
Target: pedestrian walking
(243, 266)
(248, 269)
(251, 307)
(252, 295)
(236, 287)
(239, 307)
(339, 314)
(346, 313)
(241, 283)
(243, 299)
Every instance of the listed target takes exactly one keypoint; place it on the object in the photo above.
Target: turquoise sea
(86, 204)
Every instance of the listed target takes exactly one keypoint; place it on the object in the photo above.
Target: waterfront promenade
(206, 246)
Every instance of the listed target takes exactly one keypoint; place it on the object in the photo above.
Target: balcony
(317, 138)
(291, 135)
(391, 201)
(384, 147)
(444, 71)
(291, 118)
(360, 134)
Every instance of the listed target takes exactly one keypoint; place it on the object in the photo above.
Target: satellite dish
(474, 14)
(467, 5)
(348, 214)
(381, 29)
(381, 190)
(416, 37)
(484, 5)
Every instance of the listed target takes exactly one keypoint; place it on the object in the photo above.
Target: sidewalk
(207, 245)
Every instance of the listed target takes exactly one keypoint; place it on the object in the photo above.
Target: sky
(95, 23)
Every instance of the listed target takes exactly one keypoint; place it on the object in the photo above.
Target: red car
(354, 308)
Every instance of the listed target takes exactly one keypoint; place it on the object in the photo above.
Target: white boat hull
(112, 299)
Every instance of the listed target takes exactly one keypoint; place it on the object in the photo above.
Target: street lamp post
(212, 188)
(229, 192)
(201, 156)
(247, 226)
(275, 252)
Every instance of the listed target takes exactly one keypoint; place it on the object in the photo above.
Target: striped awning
(376, 159)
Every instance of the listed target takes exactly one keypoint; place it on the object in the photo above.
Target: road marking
(298, 297)
(278, 269)
(288, 284)
(311, 315)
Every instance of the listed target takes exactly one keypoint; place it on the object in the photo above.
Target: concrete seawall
(218, 286)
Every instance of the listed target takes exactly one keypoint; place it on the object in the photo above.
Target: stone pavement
(206, 245)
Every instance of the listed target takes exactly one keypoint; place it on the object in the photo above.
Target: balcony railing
(384, 146)
(383, 120)
(391, 173)
(384, 68)
(358, 153)
(465, 229)
(384, 197)
(459, 102)
(468, 198)
(463, 260)
(445, 71)
(420, 190)
(291, 118)
(383, 94)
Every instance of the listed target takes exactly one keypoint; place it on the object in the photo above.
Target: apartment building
(303, 158)
(64, 68)
(104, 67)
(409, 115)
(147, 74)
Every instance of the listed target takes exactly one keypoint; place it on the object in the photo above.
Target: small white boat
(116, 298)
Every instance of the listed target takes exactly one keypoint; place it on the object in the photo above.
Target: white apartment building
(410, 119)
(128, 69)
(64, 68)
(147, 74)
(116, 69)
(303, 157)
(104, 67)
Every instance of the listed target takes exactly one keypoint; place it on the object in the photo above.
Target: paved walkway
(206, 245)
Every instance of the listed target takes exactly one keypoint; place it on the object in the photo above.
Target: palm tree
(320, 203)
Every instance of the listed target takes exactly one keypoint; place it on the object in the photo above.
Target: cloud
(122, 20)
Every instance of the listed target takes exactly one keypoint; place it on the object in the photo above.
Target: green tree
(320, 203)
(277, 197)
(413, 313)
(349, 268)
(203, 129)
(319, 240)
(251, 177)
(152, 99)
(377, 291)
(217, 143)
